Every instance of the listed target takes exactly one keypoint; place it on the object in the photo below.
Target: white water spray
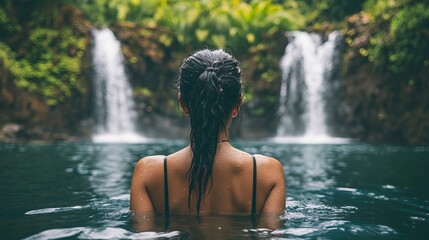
(114, 106)
(306, 64)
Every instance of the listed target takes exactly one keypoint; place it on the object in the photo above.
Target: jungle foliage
(387, 67)
(236, 25)
(42, 43)
(42, 47)
(400, 39)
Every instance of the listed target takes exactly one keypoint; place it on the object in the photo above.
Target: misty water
(334, 191)
(114, 110)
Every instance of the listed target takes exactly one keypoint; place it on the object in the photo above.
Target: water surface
(338, 191)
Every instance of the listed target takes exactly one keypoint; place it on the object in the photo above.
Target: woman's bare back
(229, 190)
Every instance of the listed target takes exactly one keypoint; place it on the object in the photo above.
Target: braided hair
(209, 86)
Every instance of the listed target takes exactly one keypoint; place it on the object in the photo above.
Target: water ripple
(53, 210)
(100, 233)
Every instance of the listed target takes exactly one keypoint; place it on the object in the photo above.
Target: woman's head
(214, 76)
(210, 89)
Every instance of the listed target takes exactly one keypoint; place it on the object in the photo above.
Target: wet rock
(8, 132)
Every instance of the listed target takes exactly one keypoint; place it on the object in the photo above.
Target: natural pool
(339, 191)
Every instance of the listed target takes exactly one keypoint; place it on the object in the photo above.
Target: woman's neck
(223, 136)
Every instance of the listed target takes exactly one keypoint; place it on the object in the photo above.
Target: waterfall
(114, 106)
(306, 65)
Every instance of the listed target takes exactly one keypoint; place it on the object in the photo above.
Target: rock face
(36, 120)
(8, 133)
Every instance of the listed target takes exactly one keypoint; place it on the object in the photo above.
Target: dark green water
(350, 191)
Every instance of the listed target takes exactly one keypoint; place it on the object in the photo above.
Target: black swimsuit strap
(166, 201)
(252, 214)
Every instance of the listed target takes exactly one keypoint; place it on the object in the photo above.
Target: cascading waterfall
(114, 106)
(306, 64)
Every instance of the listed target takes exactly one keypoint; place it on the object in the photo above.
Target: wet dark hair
(210, 86)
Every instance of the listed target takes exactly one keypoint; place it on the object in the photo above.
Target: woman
(209, 175)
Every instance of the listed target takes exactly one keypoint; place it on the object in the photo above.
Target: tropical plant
(400, 40)
(235, 24)
(41, 52)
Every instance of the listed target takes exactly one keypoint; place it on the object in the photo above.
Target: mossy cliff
(44, 84)
(385, 73)
(380, 93)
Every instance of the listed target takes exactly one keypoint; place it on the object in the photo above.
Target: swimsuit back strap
(166, 201)
(253, 211)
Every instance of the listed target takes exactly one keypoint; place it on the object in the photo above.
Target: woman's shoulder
(156, 162)
(150, 160)
(266, 160)
(264, 163)
(268, 165)
(269, 170)
(262, 160)
(149, 166)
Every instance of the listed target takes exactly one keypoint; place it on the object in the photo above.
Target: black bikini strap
(252, 214)
(166, 201)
